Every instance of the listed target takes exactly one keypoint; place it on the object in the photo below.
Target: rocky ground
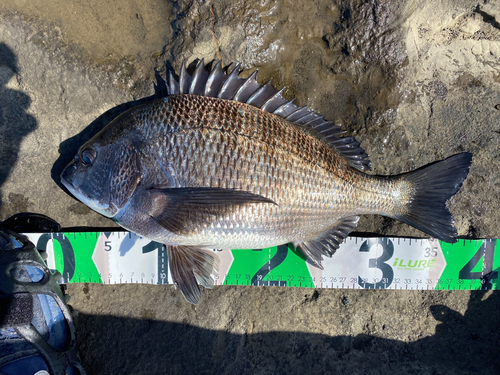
(414, 81)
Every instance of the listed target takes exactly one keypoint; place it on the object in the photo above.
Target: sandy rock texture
(414, 81)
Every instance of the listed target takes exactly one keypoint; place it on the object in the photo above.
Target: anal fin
(329, 242)
(191, 266)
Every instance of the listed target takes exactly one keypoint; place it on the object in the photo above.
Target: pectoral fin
(191, 266)
(179, 210)
(329, 242)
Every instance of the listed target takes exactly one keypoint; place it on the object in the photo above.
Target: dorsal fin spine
(184, 80)
(253, 100)
(315, 122)
(231, 85)
(297, 114)
(245, 90)
(267, 106)
(173, 85)
(215, 80)
(282, 107)
(199, 79)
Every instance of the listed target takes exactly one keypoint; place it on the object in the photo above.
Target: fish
(223, 162)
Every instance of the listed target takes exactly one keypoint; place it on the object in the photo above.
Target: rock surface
(415, 81)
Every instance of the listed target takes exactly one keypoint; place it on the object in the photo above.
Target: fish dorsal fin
(329, 242)
(219, 84)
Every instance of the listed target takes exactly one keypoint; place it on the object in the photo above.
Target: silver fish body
(199, 172)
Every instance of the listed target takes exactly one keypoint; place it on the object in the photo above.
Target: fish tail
(432, 186)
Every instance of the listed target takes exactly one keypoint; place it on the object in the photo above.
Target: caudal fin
(433, 185)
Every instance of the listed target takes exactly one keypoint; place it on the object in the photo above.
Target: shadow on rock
(462, 344)
(15, 123)
(69, 147)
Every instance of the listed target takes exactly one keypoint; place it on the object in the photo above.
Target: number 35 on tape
(360, 263)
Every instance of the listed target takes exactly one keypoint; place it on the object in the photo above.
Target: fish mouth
(69, 187)
(66, 178)
(73, 190)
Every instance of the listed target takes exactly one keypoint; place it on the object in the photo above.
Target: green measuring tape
(359, 263)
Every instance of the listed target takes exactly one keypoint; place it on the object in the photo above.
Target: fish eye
(88, 155)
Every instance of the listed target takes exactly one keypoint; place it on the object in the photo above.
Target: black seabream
(223, 162)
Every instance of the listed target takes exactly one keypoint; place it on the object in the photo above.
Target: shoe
(37, 334)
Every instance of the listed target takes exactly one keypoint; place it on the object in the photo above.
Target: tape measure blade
(369, 263)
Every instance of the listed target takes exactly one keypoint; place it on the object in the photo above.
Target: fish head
(104, 174)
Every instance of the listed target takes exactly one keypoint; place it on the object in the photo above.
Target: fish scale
(223, 162)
